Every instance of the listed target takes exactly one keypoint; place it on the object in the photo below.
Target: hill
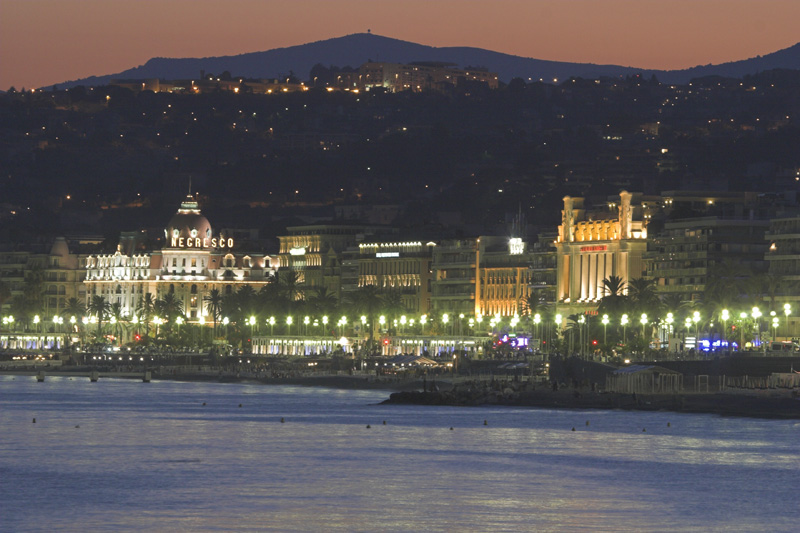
(356, 49)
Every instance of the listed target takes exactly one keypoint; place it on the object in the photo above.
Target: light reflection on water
(153, 457)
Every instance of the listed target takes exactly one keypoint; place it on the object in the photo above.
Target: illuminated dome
(188, 222)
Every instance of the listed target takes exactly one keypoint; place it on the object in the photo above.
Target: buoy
(587, 422)
(34, 420)
(451, 429)
(240, 405)
(384, 422)
(644, 430)
(368, 426)
(485, 423)
(204, 403)
(668, 424)
(282, 420)
(573, 429)
(78, 426)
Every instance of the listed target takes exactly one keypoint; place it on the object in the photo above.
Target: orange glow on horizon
(37, 47)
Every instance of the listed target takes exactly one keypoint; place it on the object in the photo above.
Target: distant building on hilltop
(415, 77)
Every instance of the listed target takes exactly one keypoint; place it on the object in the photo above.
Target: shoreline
(768, 404)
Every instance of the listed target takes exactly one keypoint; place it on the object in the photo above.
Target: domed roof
(188, 222)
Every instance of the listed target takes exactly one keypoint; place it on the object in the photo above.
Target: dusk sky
(43, 42)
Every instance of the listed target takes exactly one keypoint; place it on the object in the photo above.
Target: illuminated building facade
(316, 253)
(399, 266)
(193, 262)
(593, 245)
(504, 278)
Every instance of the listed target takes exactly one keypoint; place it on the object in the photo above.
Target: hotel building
(593, 245)
(193, 262)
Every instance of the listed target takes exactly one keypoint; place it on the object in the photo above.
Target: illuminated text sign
(197, 242)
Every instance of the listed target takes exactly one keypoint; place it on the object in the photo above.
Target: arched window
(171, 288)
(194, 289)
(228, 289)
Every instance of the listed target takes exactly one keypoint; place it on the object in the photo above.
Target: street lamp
(756, 314)
(537, 319)
(289, 321)
(724, 316)
(271, 323)
(774, 327)
(696, 320)
(445, 319)
(252, 323)
(624, 323)
(324, 325)
(581, 322)
(403, 322)
(306, 322)
(643, 320)
(605, 325)
(787, 310)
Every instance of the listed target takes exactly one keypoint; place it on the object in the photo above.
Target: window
(194, 262)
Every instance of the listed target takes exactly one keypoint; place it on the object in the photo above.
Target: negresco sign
(197, 242)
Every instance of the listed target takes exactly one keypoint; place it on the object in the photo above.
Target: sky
(43, 42)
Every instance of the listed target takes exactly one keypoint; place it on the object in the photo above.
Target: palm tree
(531, 306)
(145, 309)
(99, 307)
(393, 306)
(169, 306)
(366, 301)
(290, 289)
(323, 302)
(643, 296)
(614, 299)
(213, 303)
(74, 307)
(116, 316)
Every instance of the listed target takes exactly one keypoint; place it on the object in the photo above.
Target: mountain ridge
(358, 48)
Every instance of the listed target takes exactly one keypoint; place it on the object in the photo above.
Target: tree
(393, 306)
(323, 302)
(116, 316)
(99, 307)
(289, 284)
(169, 308)
(366, 301)
(643, 296)
(74, 307)
(144, 310)
(614, 300)
(213, 303)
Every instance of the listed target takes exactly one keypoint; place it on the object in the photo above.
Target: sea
(122, 455)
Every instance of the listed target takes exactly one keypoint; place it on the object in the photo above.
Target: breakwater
(767, 404)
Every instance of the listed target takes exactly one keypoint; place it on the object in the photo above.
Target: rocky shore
(764, 404)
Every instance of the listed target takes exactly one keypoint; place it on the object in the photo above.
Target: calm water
(152, 457)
